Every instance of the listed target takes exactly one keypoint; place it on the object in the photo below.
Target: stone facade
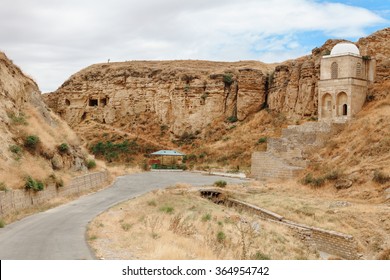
(342, 89)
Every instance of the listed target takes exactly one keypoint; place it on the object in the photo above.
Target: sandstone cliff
(184, 95)
(165, 101)
(31, 133)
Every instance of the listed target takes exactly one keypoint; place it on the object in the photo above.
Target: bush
(260, 256)
(2, 223)
(91, 164)
(15, 149)
(221, 236)
(18, 119)
(31, 142)
(228, 79)
(32, 184)
(314, 182)
(206, 217)
(220, 183)
(112, 151)
(167, 209)
(262, 140)
(63, 148)
(232, 119)
(380, 177)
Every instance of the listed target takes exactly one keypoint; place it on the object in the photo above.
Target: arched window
(359, 70)
(334, 70)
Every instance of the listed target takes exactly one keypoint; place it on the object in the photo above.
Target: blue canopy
(167, 153)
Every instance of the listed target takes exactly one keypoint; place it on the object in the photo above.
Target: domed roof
(345, 48)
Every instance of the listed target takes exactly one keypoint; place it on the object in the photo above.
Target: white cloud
(53, 39)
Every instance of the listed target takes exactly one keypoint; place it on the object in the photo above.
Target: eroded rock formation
(184, 95)
(24, 115)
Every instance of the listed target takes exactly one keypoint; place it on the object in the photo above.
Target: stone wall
(331, 242)
(15, 200)
(286, 156)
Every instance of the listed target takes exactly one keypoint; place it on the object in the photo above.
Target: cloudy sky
(52, 39)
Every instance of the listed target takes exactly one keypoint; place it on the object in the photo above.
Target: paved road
(59, 233)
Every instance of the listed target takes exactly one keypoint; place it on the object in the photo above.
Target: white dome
(345, 48)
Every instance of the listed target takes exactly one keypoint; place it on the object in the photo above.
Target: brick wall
(15, 200)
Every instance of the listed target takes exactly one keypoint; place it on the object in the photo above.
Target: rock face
(190, 96)
(184, 95)
(23, 114)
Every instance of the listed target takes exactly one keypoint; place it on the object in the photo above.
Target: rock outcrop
(186, 96)
(194, 99)
(25, 117)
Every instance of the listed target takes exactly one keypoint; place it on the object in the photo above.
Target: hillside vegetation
(37, 147)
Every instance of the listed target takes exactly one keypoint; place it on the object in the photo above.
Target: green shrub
(232, 119)
(126, 226)
(206, 217)
(228, 79)
(112, 151)
(91, 164)
(260, 256)
(18, 119)
(2, 223)
(380, 177)
(221, 236)
(167, 209)
(15, 149)
(32, 184)
(220, 183)
(63, 148)
(31, 142)
(262, 140)
(314, 182)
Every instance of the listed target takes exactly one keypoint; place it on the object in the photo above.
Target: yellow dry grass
(342, 211)
(144, 228)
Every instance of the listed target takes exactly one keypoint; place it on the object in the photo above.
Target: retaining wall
(15, 200)
(331, 242)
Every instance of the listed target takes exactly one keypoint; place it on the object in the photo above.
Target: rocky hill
(208, 108)
(35, 142)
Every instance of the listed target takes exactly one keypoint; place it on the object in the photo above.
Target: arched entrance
(327, 104)
(342, 104)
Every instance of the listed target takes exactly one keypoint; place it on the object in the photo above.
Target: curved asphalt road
(59, 233)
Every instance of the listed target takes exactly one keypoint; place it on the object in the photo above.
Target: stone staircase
(287, 156)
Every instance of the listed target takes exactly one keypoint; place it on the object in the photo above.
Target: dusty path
(59, 233)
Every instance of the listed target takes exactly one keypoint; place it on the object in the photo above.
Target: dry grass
(360, 148)
(343, 211)
(139, 229)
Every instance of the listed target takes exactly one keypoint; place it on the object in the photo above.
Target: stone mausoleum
(345, 76)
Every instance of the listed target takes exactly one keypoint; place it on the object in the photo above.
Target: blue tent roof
(167, 153)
